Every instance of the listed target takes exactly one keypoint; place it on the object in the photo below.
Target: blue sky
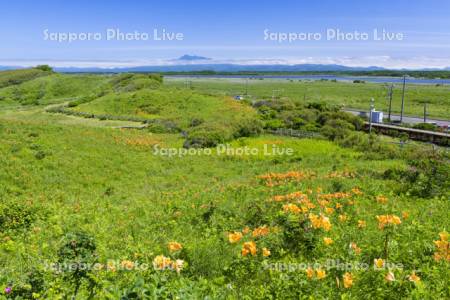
(227, 31)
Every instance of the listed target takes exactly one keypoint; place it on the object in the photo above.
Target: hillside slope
(13, 77)
(49, 89)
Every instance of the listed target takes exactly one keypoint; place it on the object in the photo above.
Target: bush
(320, 106)
(425, 126)
(248, 128)
(196, 122)
(33, 284)
(15, 216)
(45, 68)
(162, 127)
(266, 112)
(205, 137)
(274, 124)
(84, 99)
(77, 250)
(357, 122)
(337, 129)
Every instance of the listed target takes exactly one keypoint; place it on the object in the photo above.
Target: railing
(294, 133)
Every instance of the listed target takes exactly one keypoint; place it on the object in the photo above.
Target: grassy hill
(141, 97)
(13, 77)
(50, 89)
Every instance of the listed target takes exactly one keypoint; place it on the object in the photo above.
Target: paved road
(406, 119)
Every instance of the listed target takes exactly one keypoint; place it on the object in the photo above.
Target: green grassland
(177, 105)
(350, 95)
(50, 89)
(19, 76)
(83, 190)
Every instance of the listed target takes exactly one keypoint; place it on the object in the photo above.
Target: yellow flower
(355, 248)
(260, 231)
(127, 264)
(291, 208)
(315, 221)
(161, 262)
(405, 215)
(304, 209)
(443, 236)
(246, 230)
(437, 256)
(326, 225)
(390, 276)
(378, 263)
(343, 218)
(320, 274)
(361, 223)
(348, 280)
(310, 272)
(329, 210)
(356, 191)
(178, 265)
(414, 278)
(249, 247)
(328, 241)
(382, 199)
(442, 247)
(320, 222)
(234, 237)
(382, 221)
(174, 246)
(266, 252)
(385, 220)
(338, 205)
(396, 220)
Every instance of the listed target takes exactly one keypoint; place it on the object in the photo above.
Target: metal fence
(294, 133)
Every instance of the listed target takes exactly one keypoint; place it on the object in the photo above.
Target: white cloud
(351, 61)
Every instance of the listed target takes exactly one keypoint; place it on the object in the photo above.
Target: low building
(376, 116)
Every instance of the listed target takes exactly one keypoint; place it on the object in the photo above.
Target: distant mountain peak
(188, 57)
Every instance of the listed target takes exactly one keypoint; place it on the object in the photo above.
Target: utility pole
(403, 98)
(246, 86)
(390, 93)
(274, 93)
(425, 112)
(372, 106)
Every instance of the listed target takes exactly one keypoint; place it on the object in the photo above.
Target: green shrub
(45, 68)
(16, 216)
(32, 285)
(335, 129)
(196, 122)
(425, 126)
(425, 178)
(248, 128)
(274, 124)
(320, 106)
(206, 137)
(76, 258)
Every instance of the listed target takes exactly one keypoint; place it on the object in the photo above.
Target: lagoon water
(374, 79)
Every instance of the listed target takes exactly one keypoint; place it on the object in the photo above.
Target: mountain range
(195, 63)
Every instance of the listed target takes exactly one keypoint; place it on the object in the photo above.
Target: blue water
(374, 79)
